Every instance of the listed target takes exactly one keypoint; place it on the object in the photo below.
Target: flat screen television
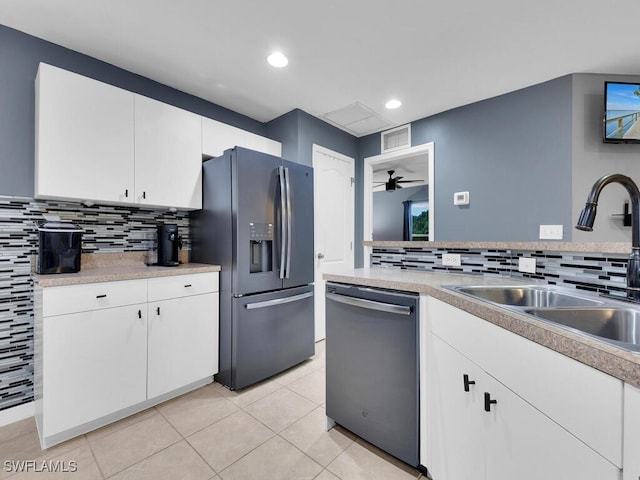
(621, 122)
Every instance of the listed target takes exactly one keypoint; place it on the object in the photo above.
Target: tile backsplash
(595, 272)
(106, 229)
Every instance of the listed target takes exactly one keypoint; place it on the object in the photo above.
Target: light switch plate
(451, 259)
(527, 265)
(550, 232)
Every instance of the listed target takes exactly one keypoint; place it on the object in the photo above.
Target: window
(420, 221)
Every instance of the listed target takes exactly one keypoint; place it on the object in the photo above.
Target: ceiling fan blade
(409, 181)
(396, 179)
(377, 184)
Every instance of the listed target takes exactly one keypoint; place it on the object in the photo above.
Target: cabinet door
(523, 443)
(94, 364)
(631, 467)
(457, 449)
(84, 138)
(218, 137)
(168, 157)
(182, 342)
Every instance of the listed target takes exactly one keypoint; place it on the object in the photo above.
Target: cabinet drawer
(564, 389)
(92, 296)
(177, 286)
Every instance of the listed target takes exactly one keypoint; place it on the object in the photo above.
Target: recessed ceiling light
(278, 60)
(393, 103)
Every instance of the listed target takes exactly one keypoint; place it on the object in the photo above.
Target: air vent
(357, 119)
(396, 139)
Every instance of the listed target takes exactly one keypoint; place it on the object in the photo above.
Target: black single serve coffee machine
(169, 243)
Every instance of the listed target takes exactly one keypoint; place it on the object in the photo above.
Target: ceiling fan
(393, 182)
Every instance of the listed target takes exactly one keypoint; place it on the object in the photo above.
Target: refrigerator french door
(257, 224)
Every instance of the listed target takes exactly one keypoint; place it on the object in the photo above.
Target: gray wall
(388, 211)
(20, 55)
(592, 159)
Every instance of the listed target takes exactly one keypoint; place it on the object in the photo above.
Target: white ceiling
(433, 56)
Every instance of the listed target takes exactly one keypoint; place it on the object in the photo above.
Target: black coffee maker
(169, 243)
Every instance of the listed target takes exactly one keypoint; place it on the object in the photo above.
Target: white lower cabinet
(95, 363)
(183, 342)
(480, 428)
(631, 455)
(102, 351)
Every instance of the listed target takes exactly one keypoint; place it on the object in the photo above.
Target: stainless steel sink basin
(528, 296)
(620, 326)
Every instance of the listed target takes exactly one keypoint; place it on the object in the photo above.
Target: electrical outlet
(451, 259)
(527, 265)
(550, 232)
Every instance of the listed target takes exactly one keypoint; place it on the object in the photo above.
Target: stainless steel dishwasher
(372, 346)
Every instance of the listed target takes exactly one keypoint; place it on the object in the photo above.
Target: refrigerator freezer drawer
(271, 333)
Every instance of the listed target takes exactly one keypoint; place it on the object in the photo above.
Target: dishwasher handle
(370, 304)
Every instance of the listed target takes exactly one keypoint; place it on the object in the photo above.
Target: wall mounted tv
(621, 112)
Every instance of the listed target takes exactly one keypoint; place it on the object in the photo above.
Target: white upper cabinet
(218, 137)
(168, 157)
(84, 138)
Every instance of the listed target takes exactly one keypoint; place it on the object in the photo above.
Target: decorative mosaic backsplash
(105, 229)
(595, 272)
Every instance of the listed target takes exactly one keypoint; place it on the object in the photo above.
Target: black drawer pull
(158, 310)
(139, 313)
(488, 402)
(467, 382)
(187, 286)
(101, 296)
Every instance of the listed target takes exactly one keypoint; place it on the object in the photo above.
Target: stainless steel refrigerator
(257, 224)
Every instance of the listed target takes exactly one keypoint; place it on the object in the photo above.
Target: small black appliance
(169, 243)
(59, 247)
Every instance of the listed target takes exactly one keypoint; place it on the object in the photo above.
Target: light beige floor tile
(326, 475)
(360, 463)
(226, 441)
(294, 373)
(16, 429)
(179, 461)
(311, 386)
(309, 434)
(127, 446)
(196, 410)
(276, 459)
(280, 409)
(77, 464)
(120, 424)
(246, 396)
(27, 447)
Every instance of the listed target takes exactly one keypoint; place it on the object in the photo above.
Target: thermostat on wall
(461, 198)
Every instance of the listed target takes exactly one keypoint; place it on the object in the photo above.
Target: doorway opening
(379, 165)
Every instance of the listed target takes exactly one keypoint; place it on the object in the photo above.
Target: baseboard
(19, 412)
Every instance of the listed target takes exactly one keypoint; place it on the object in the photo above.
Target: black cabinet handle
(187, 286)
(467, 382)
(139, 313)
(144, 194)
(158, 310)
(126, 192)
(488, 402)
(101, 296)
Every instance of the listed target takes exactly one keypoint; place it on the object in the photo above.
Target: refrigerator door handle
(278, 301)
(288, 189)
(283, 211)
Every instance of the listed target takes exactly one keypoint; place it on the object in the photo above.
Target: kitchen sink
(528, 296)
(620, 326)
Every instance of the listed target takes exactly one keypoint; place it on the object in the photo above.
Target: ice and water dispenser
(261, 243)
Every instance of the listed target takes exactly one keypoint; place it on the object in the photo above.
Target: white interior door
(333, 186)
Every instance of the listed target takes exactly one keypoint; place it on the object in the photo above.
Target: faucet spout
(588, 216)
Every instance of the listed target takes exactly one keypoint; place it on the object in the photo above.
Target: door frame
(318, 149)
(367, 200)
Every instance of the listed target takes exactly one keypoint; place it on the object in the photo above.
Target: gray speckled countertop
(616, 362)
(114, 273)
